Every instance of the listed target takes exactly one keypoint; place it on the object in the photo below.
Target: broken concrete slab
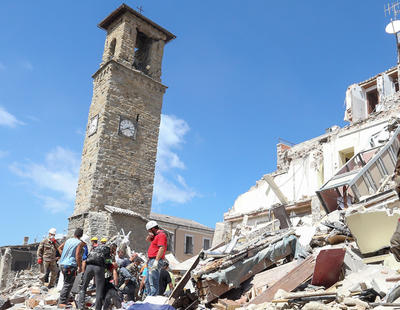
(391, 262)
(352, 263)
(372, 229)
(314, 305)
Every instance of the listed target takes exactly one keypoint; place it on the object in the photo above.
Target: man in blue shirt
(70, 264)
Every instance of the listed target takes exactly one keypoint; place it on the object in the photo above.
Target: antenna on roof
(140, 9)
(394, 26)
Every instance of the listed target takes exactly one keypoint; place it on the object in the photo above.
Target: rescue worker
(155, 254)
(94, 242)
(103, 240)
(85, 253)
(98, 259)
(70, 264)
(127, 280)
(121, 256)
(47, 257)
(134, 270)
(165, 280)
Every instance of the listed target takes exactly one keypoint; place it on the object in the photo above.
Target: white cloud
(55, 179)
(166, 190)
(55, 205)
(168, 184)
(7, 119)
(172, 131)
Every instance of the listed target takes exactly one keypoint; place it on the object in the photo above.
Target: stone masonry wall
(90, 150)
(117, 170)
(104, 224)
(121, 172)
(124, 31)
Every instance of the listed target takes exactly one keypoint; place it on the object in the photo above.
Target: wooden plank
(271, 276)
(179, 287)
(229, 304)
(275, 189)
(289, 282)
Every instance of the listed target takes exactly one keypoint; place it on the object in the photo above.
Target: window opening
(142, 49)
(372, 100)
(188, 244)
(112, 47)
(346, 155)
(206, 243)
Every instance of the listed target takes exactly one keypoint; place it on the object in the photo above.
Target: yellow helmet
(94, 239)
(104, 240)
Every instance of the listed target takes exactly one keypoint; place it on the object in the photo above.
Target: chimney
(281, 149)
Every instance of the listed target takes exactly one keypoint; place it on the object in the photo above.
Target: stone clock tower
(116, 177)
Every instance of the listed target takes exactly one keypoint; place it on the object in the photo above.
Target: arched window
(112, 47)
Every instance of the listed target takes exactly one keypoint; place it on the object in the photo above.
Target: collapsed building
(314, 234)
(339, 167)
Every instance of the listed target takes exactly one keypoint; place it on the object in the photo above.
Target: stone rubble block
(35, 290)
(32, 303)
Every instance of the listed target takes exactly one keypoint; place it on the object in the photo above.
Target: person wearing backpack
(97, 261)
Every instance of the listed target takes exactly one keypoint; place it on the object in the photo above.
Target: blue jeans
(153, 277)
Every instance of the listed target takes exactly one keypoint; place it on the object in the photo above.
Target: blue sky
(241, 75)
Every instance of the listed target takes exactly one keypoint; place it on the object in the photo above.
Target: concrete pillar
(5, 267)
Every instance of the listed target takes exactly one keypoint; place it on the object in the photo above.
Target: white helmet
(151, 224)
(52, 231)
(86, 239)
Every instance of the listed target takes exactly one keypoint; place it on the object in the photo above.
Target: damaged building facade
(312, 176)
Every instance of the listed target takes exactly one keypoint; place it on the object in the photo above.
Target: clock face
(127, 128)
(92, 128)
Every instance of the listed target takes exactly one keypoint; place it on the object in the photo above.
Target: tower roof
(125, 8)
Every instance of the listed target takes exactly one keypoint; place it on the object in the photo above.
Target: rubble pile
(345, 259)
(307, 266)
(342, 258)
(25, 293)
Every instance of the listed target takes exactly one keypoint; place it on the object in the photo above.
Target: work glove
(53, 240)
(40, 261)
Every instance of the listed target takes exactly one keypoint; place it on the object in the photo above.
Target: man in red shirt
(155, 254)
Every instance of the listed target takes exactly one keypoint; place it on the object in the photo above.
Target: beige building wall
(197, 238)
(178, 234)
